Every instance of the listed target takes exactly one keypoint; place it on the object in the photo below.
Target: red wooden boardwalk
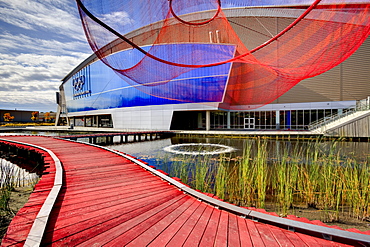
(109, 200)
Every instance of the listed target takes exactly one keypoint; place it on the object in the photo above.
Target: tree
(34, 115)
(47, 116)
(7, 117)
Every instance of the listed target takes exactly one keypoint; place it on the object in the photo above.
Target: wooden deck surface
(107, 200)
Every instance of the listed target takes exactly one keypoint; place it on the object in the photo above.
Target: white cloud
(55, 16)
(29, 79)
(41, 42)
(116, 19)
(23, 43)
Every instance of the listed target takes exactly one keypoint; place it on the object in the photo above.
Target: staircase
(322, 126)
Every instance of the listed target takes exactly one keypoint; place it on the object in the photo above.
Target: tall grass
(310, 174)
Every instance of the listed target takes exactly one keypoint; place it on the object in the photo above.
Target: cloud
(41, 42)
(25, 69)
(119, 18)
(27, 44)
(49, 16)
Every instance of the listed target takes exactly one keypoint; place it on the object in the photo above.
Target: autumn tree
(47, 116)
(7, 117)
(34, 115)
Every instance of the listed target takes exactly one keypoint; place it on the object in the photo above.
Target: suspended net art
(183, 50)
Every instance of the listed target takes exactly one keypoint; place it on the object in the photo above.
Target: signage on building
(81, 84)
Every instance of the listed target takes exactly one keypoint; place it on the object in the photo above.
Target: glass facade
(103, 121)
(265, 120)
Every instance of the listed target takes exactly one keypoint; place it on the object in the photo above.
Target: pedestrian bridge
(93, 196)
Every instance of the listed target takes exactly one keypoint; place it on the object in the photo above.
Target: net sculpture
(165, 41)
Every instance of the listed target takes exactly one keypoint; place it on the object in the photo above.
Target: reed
(260, 167)
(246, 177)
(284, 176)
(220, 187)
(311, 174)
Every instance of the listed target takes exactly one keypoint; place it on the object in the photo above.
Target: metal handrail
(360, 106)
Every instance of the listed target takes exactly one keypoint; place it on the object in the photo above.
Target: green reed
(246, 191)
(310, 174)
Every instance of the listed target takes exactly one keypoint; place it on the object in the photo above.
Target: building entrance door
(249, 123)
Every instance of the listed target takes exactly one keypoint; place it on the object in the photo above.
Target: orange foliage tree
(47, 116)
(7, 117)
(34, 115)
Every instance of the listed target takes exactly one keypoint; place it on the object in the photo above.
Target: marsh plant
(11, 177)
(309, 174)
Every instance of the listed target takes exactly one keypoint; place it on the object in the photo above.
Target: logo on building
(78, 83)
(81, 86)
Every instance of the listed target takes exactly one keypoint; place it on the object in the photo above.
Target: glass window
(300, 119)
(282, 120)
(320, 114)
(306, 116)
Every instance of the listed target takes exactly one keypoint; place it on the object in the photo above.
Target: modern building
(93, 95)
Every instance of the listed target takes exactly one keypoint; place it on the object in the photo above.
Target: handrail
(360, 106)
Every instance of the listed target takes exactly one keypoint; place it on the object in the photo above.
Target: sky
(41, 41)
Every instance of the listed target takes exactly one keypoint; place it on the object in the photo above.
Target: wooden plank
(157, 229)
(280, 237)
(165, 236)
(245, 239)
(292, 236)
(254, 233)
(222, 230)
(266, 235)
(182, 234)
(233, 234)
(198, 230)
(209, 235)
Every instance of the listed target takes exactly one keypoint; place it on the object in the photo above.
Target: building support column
(277, 120)
(208, 120)
(200, 120)
(228, 120)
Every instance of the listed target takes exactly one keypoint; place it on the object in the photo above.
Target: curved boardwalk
(106, 199)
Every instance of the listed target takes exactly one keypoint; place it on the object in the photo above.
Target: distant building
(19, 116)
(26, 116)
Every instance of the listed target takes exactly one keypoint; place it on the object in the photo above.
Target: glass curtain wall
(260, 120)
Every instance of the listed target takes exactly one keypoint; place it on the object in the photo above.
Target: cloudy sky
(41, 41)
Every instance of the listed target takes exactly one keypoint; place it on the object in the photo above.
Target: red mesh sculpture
(324, 34)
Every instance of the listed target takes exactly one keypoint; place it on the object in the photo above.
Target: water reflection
(12, 175)
(152, 151)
